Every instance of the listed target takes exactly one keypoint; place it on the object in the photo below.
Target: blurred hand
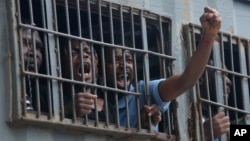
(211, 23)
(84, 103)
(152, 111)
(220, 123)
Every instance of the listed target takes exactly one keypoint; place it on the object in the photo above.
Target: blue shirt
(154, 96)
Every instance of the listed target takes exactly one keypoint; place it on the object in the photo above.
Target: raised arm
(177, 84)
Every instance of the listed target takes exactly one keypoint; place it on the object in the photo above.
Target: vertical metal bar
(217, 53)
(81, 50)
(100, 20)
(145, 62)
(52, 56)
(18, 7)
(244, 81)
(218, 75)
(92, 56)
(31, 12)
(57, 49)
(222, 50)
(111, 23)
(46, 54)
(164, 72)
(31, 88)
(78, 17)
(116, 94)
(247, 119)
(37, 93)
(135, 68)
(162, 47)
(113, 61)
(70, 61)
(124, 66)
(24, 111)
(20, 31)
(233, 76)
(103, 64)
(209, 105)
(89, 20)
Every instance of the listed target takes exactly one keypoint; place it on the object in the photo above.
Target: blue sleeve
(217, 139)
(155, 95)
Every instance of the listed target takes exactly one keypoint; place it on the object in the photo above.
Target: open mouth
(86, 72)
(121, 80)
(31, 67)
(122, 76)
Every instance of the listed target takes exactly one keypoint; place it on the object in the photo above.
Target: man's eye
(39, 46)
(117, 60)
(75, 51)
(129, 60)
(87, 51)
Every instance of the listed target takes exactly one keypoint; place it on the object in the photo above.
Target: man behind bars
(80, 60)
(78, 65)
(220, 122)
(30, 51)
(162, 91)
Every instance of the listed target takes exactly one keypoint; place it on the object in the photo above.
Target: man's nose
(30, 44)
(86, 55)
(123, 65)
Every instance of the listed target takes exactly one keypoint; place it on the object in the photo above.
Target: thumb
(90, 96)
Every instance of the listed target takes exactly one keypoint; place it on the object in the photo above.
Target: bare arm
(177, 84)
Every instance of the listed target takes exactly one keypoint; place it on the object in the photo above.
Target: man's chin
(32, 68)
(122, 86)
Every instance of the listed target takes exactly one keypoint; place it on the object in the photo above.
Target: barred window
(64, 48)
(224, 85)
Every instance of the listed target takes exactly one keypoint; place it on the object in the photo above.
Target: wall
(236, 19)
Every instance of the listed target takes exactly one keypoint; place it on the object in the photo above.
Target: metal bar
(113, 63)
(57, 49)
(135, 68)
(146, 63)
(46, 54)
(51, 47)
(244, 82)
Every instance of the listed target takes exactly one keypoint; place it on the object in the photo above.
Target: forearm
(197, 63)
(177, 84)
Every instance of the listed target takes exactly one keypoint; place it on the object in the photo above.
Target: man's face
(119, 67)
(82, 70)
(28, 49)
